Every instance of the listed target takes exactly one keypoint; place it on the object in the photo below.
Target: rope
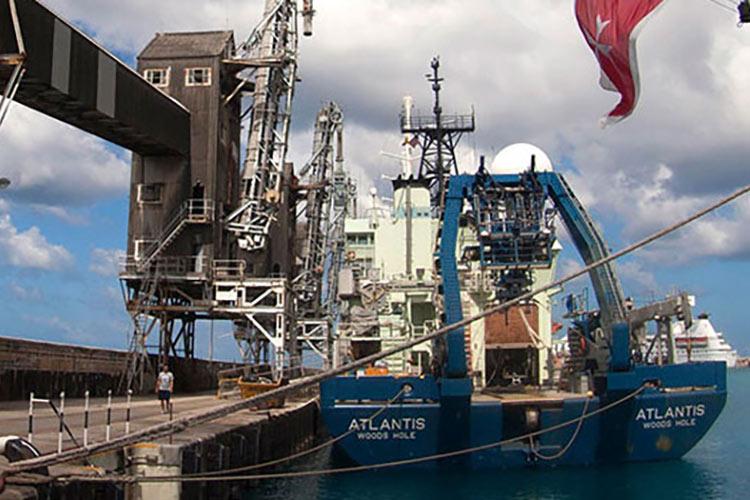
(305, 452)
(565, 448)
(357, 468)
(535, 338)
(180, 424)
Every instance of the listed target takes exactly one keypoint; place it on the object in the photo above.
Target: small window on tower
(158, 77)
(197, 77)
(150, 193)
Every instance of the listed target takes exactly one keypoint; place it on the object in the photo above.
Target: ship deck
(526, 396)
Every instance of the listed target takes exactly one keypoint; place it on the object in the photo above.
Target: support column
(149, 460)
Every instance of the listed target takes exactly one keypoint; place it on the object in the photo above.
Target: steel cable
(303, 453)
(358, 468)
(183, 423)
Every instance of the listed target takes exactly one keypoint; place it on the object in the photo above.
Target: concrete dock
(244, 438)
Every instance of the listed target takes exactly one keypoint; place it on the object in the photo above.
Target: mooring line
(564, 449)
(303, 453)
(183, 423)
(359, 468)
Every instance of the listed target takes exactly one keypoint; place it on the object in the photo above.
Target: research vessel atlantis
(488, 395)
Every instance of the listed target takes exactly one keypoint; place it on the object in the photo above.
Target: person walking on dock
(165, 387)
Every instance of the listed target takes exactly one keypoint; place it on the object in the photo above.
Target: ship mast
(438, 137)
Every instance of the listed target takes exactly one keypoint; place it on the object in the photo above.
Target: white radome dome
(516, 158)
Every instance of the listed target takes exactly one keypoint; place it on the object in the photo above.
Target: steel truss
(271, 52)
(159, 305)
(329, 193)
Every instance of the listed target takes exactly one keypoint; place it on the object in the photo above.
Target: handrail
(229, 268)
(192, 211)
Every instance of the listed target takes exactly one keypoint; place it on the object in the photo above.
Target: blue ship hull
(661, 422)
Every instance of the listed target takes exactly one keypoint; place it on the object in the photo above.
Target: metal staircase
(193, 211)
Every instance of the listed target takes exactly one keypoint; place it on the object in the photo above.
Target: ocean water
(719, 467)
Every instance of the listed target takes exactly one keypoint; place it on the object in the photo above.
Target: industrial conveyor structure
(207, 240)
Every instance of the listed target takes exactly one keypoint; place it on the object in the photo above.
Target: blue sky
(525, 69)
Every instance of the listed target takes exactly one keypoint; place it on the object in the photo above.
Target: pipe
(307, 17)
(127, 412)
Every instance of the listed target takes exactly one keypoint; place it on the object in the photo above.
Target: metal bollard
(62, 422)
(127, 413)
(86, 419)
(31, 418)
(109, 414)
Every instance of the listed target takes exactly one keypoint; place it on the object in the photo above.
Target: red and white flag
(611, 28)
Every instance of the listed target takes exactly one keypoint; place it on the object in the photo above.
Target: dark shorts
(164, 395)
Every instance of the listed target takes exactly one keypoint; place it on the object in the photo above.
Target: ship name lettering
(403, 424)
(682, 415)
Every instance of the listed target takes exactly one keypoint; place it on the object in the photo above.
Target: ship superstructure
(388, 284)
(701, 342)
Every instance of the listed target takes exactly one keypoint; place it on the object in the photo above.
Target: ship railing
(453, 122)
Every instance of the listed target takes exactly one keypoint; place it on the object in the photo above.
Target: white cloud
(636, 278)
(54, 165)
(568, 266)
(26, 293)
(30, 249)
(105, 261)
(64, 214)
(531, 77)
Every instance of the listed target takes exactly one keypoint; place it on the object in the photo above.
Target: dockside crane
(269, 54)
(328, 193)
(317, 177)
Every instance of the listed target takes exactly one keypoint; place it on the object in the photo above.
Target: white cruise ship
(701, 342)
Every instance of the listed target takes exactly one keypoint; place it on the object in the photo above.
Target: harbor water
(716, 468)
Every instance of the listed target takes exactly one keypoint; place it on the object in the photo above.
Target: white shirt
(165, 380)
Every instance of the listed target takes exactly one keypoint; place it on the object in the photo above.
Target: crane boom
(270, 53)
(319, 180)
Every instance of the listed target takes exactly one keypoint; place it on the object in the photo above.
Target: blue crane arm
(455, 363)
(583, 230)
(591, 246)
